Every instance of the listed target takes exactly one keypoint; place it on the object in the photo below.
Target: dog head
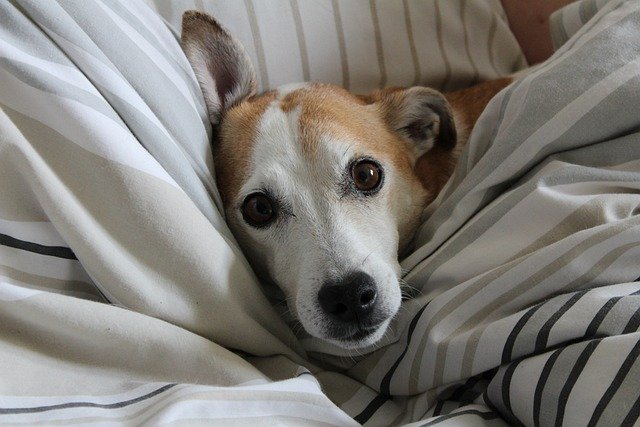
(319, 185)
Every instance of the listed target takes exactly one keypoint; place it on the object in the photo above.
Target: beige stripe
(556, 30)
(50, 283)
(542, 274)
(561, 30)
(447, 65)
(490, 43)
(155, 270)
(199, 4)
(588, 215)
(341, 44)
(378, 39)
(419, 407)
(302, 41)
(412, 44)
(587, 9)
(588, 277)
(257, 41)
(480, 284)
(463, 17)
(450, 306)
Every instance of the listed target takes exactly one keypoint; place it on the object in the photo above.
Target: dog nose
(350, 299)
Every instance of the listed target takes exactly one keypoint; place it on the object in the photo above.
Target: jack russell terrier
(325, 189)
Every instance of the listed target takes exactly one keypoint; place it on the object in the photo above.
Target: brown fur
(329, 110)
(194, 21)
(469, 103)
(232, 151)
(374, 123)
(326, 110)
(435, 167)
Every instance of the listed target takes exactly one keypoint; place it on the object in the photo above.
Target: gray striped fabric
(366, 44)
(124, 299)
(568, 20)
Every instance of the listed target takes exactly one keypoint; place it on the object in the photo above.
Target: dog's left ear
(420, 115)
(221, 64)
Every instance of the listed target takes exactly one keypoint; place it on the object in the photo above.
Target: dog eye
(366, 175)
(258, 210)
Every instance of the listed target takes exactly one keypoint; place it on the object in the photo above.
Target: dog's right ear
(221, 64)
(420, 115)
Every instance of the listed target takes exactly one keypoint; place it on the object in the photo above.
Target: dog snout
(351, 299)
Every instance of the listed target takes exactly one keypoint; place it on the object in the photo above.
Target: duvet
(124, 298)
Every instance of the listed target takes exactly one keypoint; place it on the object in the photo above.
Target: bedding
(124, 298)
(365, 45)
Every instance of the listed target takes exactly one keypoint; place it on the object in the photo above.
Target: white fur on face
(321, 233)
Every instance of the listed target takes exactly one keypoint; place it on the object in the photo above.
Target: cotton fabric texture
(124, 298)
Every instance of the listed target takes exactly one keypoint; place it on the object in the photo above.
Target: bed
(124, 298)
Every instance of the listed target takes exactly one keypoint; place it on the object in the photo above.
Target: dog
(324, 189)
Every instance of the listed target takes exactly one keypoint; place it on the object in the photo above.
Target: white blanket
(125, 300)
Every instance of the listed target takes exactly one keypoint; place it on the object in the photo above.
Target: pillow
(363, 45)
(567, 21)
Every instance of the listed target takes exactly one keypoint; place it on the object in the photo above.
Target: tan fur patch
(436, 166)
(469, 103)
(327, 110)
(232, 150)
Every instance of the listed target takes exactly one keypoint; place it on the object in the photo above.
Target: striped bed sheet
(124, 298)
(364, 45)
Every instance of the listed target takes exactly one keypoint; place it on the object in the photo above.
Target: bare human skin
(529, 22)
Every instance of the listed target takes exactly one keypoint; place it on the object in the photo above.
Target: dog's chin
(360, 338)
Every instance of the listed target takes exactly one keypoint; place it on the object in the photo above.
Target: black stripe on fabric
(513, 335)
(371, 409)
(577, 369)
(543, 335)
(385, 384)
(5, 411)
(438, 408)
(56, 251)
(542, 381)
(633, 323)
(484, 415)
(470, 393)
(597, 320)
(457, 394)
(104, 297)
(488, 402)
(615, 384)
(633, 415)
(506, 392)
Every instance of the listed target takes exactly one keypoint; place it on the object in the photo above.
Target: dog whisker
(408, 290)
(347, 150)
(366, 258)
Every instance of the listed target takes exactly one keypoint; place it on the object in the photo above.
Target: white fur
(330, 235)
(326, 234)
(285, 90)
